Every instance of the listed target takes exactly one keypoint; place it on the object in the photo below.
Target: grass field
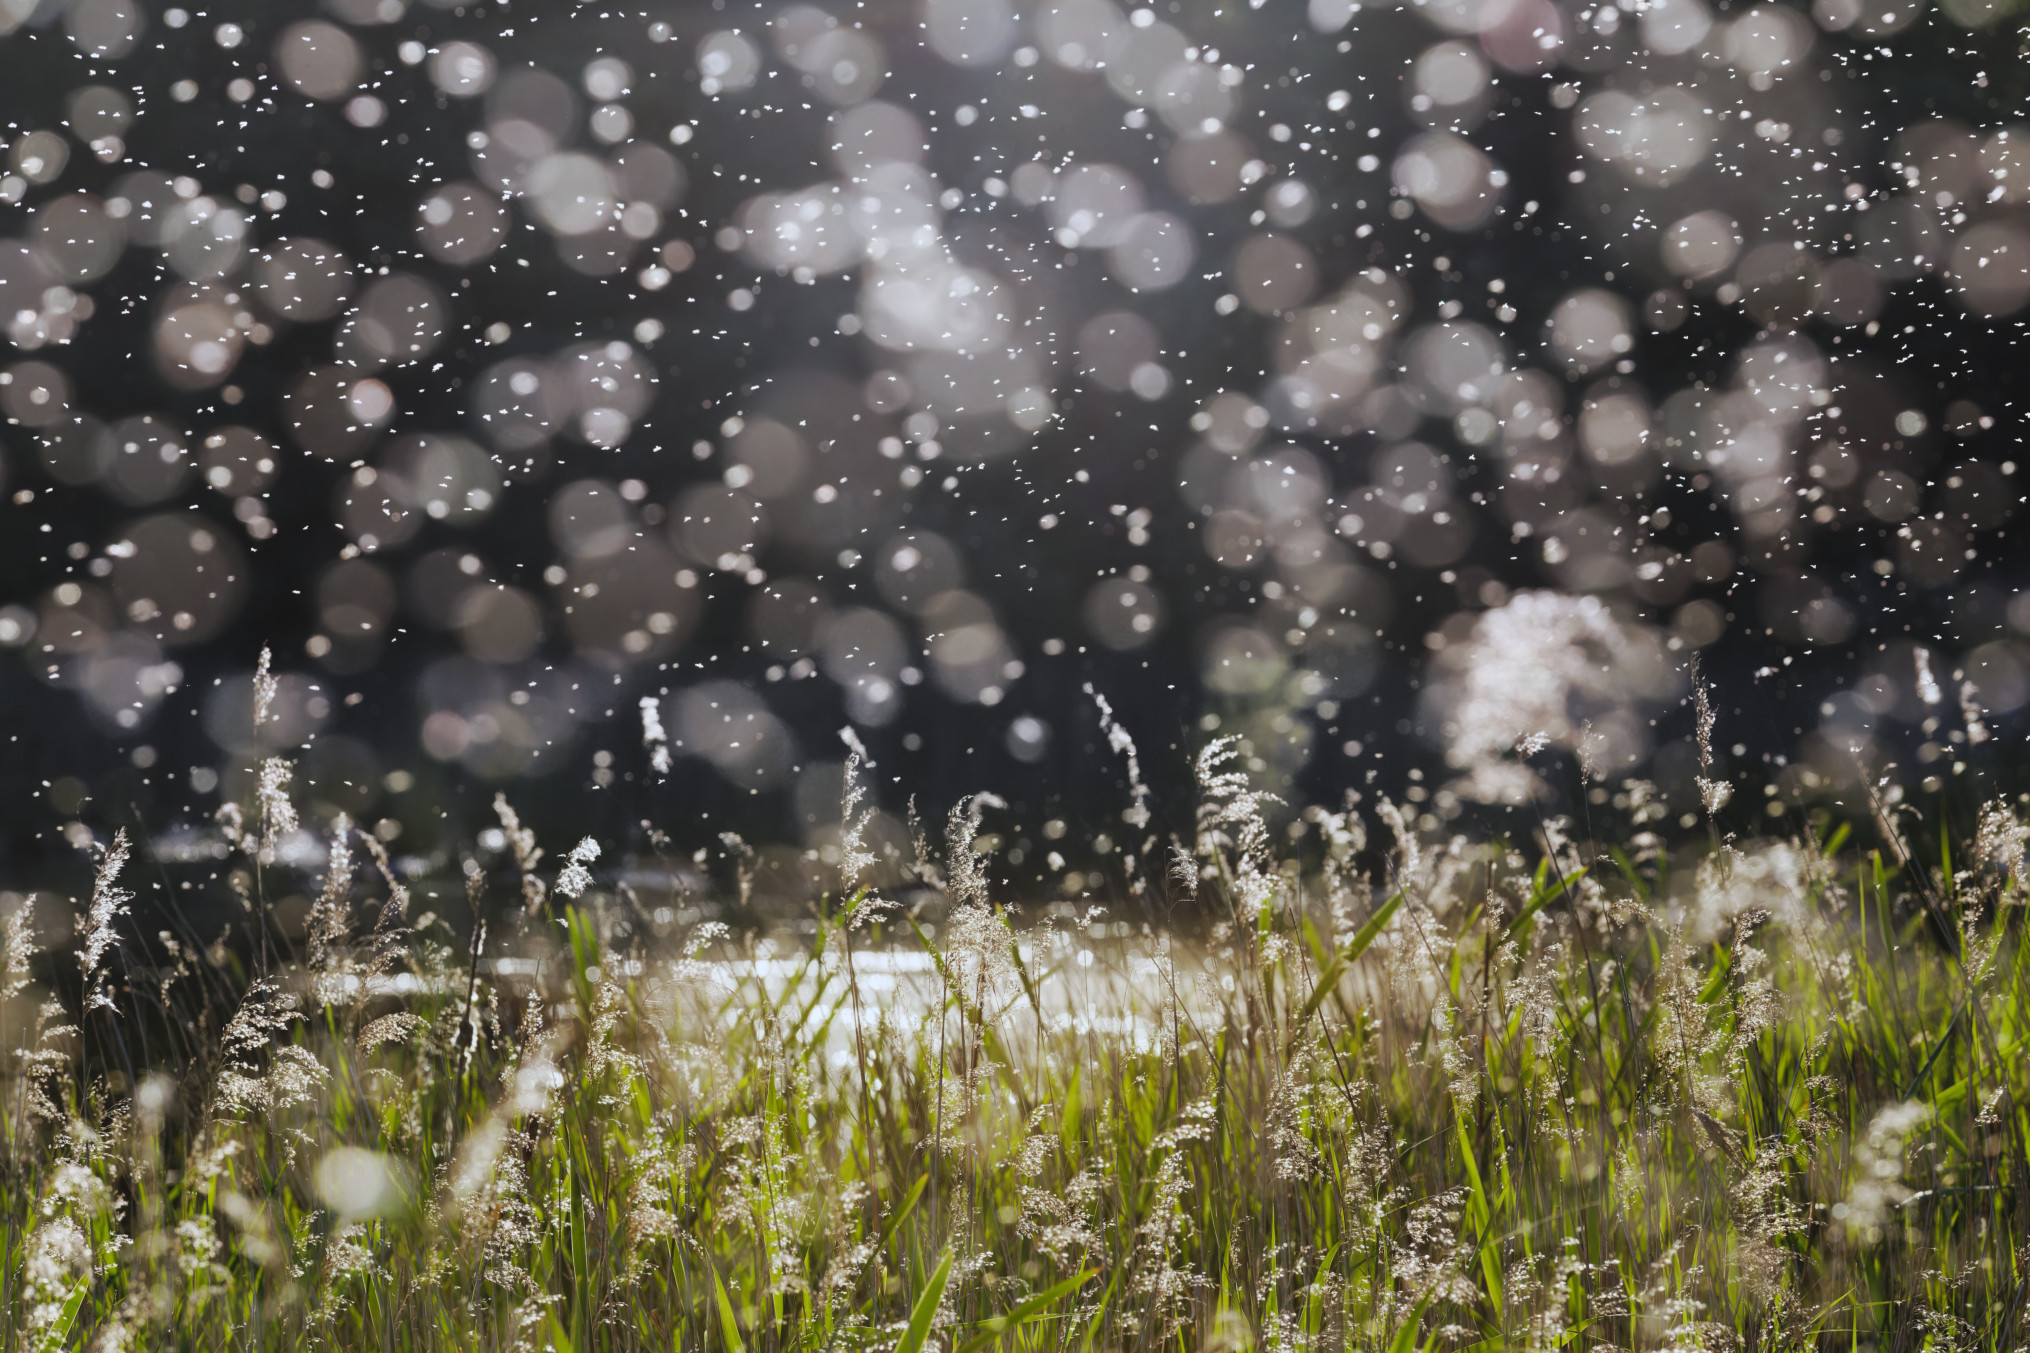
(1765, 1094)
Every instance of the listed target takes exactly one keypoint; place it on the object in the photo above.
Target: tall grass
(1490, 1094)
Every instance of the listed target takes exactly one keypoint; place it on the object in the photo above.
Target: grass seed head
(109, 903)
(576, 875)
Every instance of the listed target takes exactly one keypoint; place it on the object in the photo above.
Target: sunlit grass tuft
(1486, 1095)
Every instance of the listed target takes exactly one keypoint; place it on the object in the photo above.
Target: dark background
(63, 760)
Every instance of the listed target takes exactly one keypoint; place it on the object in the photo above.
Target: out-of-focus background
(1383, 384)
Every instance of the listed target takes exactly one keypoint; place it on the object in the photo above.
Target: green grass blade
(897, 1217)
(1370, 928)
(918, 1333)
(58, 1332)
(729, 1329)
(991, 1330)
(1543, 894)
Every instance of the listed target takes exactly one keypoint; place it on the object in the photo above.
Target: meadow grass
(1455, 1093)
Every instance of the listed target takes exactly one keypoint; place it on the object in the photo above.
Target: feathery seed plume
(17, 946)
(278, 815)
(1137, 814)
(109, 902)
(575, 877)
(652, 735)
(1927, 684)
(1970, 711)
(855, 859)
(965, 868)
(265, 688)
(1712, 793)
(329, 914)
(527, 853)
